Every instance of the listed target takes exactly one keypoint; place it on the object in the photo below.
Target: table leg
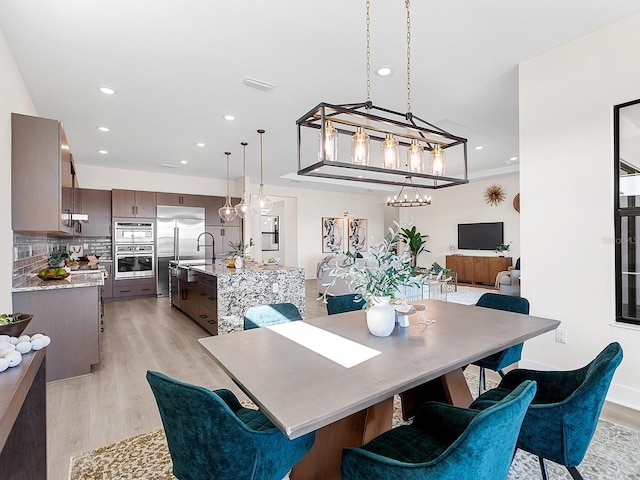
(322, 462)
(451, 388)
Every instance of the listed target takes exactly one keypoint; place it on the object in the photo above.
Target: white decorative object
(381, 317)
(4, 364)
(23, 347)
(14, 358)
(12, 348)
(239, 261)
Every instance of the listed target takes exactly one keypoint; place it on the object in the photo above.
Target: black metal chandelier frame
(347, 118)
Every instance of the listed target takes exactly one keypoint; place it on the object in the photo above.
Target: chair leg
(575, 474)
(501, 373)
(482, 384)
(543, 469)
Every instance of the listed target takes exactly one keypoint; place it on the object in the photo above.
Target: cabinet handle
(145, 289)
(211, 298)
(183, 294)
(212, 322)
(202, 294)
(222, 232)
(125, 291)
(202, 315)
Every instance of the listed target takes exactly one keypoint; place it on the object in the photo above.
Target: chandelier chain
(368, 23)
(227, 154)
(261, 132)
(406, 2)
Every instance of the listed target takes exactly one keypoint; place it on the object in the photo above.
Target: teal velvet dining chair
(564, 413)
(500, 360)
(272, 314)
(445, 443)
(344, 303)
(210, 435)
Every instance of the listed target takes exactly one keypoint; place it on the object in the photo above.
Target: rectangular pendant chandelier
(327, 137)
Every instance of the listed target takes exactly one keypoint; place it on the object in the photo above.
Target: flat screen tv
(480, 236)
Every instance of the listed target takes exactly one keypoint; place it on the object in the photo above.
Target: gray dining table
(331, 376)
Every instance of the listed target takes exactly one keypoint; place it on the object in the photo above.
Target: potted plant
(378, 280)
(415, 242)
(500, 249)
(57, 257)
(238, 252)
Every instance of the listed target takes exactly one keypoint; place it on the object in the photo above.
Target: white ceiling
(177, 68)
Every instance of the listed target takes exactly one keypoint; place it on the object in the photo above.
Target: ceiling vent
(257, 84)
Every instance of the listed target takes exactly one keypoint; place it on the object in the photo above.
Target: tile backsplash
(31, 251)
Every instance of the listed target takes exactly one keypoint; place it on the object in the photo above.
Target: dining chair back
(564, 413)
(498, 361)
(445, 442)
(272, 314)
(211, 435)
(344, 303)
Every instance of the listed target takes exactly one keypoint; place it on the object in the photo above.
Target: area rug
(468, 295)
(614, 454)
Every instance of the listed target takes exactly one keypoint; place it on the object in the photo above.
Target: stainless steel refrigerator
(178, 229)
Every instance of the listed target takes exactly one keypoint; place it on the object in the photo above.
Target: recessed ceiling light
(513, 159)
(229, 117)
(200, 144)
(384, 71)
(183, 162)
(102, 152)
(104, 129)
(479, 147)
(107, 90)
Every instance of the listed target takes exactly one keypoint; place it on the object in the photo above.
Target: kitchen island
(226, 293)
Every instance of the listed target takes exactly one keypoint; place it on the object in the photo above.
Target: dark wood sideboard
(471, 269)
(23, 420)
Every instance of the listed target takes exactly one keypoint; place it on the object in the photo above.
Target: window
(627, 208)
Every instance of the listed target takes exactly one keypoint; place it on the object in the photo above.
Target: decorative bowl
(54, 277)
(15, 329)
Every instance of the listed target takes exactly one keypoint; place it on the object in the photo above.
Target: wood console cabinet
(472, 269)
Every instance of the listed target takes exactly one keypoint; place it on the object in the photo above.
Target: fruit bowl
(50, 276)
(15, 329)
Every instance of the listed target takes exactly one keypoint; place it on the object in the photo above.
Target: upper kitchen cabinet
(41, 176)
(180, 199)
(211, 216)
(130, 203)
(96, 204)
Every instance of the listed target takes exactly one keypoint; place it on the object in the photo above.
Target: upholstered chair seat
(211, 435)
(344, 303)
(564, 413)
(273, 314)
(445, 443)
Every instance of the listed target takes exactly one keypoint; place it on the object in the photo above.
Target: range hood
(80, 217)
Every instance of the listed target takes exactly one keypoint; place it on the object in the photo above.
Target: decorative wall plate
(494, 195)
(516, 203)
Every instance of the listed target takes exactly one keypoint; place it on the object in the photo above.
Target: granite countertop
(75, 280)
(220, 268)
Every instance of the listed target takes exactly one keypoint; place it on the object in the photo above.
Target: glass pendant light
(243, 209)
(227, 212)
(437, 161)
(263, 204)
(360, 147)
(390, 152)
(415, 157)
(330, 145)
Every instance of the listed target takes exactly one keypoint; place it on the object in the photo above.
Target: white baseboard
(618, 394)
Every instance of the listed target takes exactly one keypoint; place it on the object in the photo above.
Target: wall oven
(133, 233)
(134, 261)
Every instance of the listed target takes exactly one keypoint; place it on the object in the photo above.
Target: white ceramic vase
(238, 261)
(381, 317)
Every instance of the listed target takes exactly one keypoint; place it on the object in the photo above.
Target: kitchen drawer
(120, 291)
(208, 320)
(208, 297)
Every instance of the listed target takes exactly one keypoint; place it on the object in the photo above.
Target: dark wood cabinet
(135, 287)
(180, 199)
(133, 203)
(199, 299)
(222, 235)
(472, 269)
(41, 176)
(97, 205)
(211, 216)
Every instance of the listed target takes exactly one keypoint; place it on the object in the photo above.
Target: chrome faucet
(213, 245)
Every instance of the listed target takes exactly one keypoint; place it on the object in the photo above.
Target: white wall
(14, 97)
(566, 156)
(464, 204)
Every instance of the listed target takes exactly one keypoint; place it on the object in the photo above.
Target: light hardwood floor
(115, 402)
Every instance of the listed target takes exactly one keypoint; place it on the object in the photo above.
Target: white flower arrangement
(382, 274)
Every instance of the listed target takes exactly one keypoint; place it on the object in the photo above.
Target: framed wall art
(357, 239)
(332, 234)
